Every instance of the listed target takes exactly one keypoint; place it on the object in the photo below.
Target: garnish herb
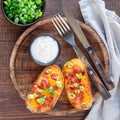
(40, 90)
(70, 65)
(71, 95)
(50, 89)
(83, 104)
(32, 96)
(75, 84)
(41, 100)
(79, 76)
(50, 70)
(59, 84)
(82, 88)
(23, 11)
(78, 91)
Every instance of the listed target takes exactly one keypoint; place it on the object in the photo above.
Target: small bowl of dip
(44, 49)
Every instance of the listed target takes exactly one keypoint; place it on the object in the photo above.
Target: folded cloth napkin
(107, 24)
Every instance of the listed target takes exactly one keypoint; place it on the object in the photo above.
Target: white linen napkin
(107, 24)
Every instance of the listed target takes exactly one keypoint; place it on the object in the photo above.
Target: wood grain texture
(11, 106)
(23, 71)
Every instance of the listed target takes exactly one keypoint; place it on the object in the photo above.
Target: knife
(79, 33)
(93, 75)
(69, 38)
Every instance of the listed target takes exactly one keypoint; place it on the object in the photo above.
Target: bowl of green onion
(23, 12)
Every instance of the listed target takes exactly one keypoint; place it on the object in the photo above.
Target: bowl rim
(22, 25)
(58, 44)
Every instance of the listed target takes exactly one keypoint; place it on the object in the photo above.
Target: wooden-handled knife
(79, 33)
(93, 75)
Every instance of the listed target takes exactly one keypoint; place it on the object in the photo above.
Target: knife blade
(82, 38)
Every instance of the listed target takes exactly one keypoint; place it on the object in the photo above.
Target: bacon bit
(71, 88)
(81, 84)
(39, 93)
(34, 83)
(39, 109)
(69, 78)
(44, 105)
(44, 83)
(41, 86)
(47, 85)
(70, 83)
(71, 75)
(77, 80)
(55, 87)
(77, 69)
(47, 99)
(45, 76)
(76, 91)
(54, 77)
(83, 73)
(79, 98)
(66, 75)
(35, 86)
(50, 99)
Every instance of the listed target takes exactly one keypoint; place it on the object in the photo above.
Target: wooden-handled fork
(67, 34)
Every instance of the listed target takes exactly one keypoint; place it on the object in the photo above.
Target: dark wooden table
(12, 107)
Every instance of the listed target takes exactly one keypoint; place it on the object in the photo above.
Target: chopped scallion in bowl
(23, 12)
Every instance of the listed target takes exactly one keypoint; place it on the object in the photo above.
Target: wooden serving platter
(23, 71)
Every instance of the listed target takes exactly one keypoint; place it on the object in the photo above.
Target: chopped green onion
(59, 84)
(79, 76)
(75, 84)
(70, 64)
(83, 104)
(50, 89)
(31, 8)
(78, 91)
(82, 88)
(51, 94)
(71, 95)
(40, 90)
(32, 96)
(50, 70)
(41, 100)
(16, 20)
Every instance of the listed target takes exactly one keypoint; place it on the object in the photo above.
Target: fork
(66, 33)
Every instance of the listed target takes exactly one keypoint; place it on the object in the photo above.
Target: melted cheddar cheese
(77, 84)
(46, 90)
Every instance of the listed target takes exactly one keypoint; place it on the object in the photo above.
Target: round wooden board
(23, 71)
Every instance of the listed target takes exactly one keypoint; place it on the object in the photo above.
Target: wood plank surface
(12, 107)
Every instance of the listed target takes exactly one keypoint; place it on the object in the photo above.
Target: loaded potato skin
(45, 90)
(77, 84)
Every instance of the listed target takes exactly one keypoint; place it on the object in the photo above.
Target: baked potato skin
(45, 90)
(77, 85)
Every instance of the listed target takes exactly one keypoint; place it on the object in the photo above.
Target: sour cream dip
(44, 49)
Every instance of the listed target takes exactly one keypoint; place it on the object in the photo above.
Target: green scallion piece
(79, 76)
(22, 9)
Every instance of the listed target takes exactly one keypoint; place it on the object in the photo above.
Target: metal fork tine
(56, 27)
(64, 22)
(61, 22)
(59, 26)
